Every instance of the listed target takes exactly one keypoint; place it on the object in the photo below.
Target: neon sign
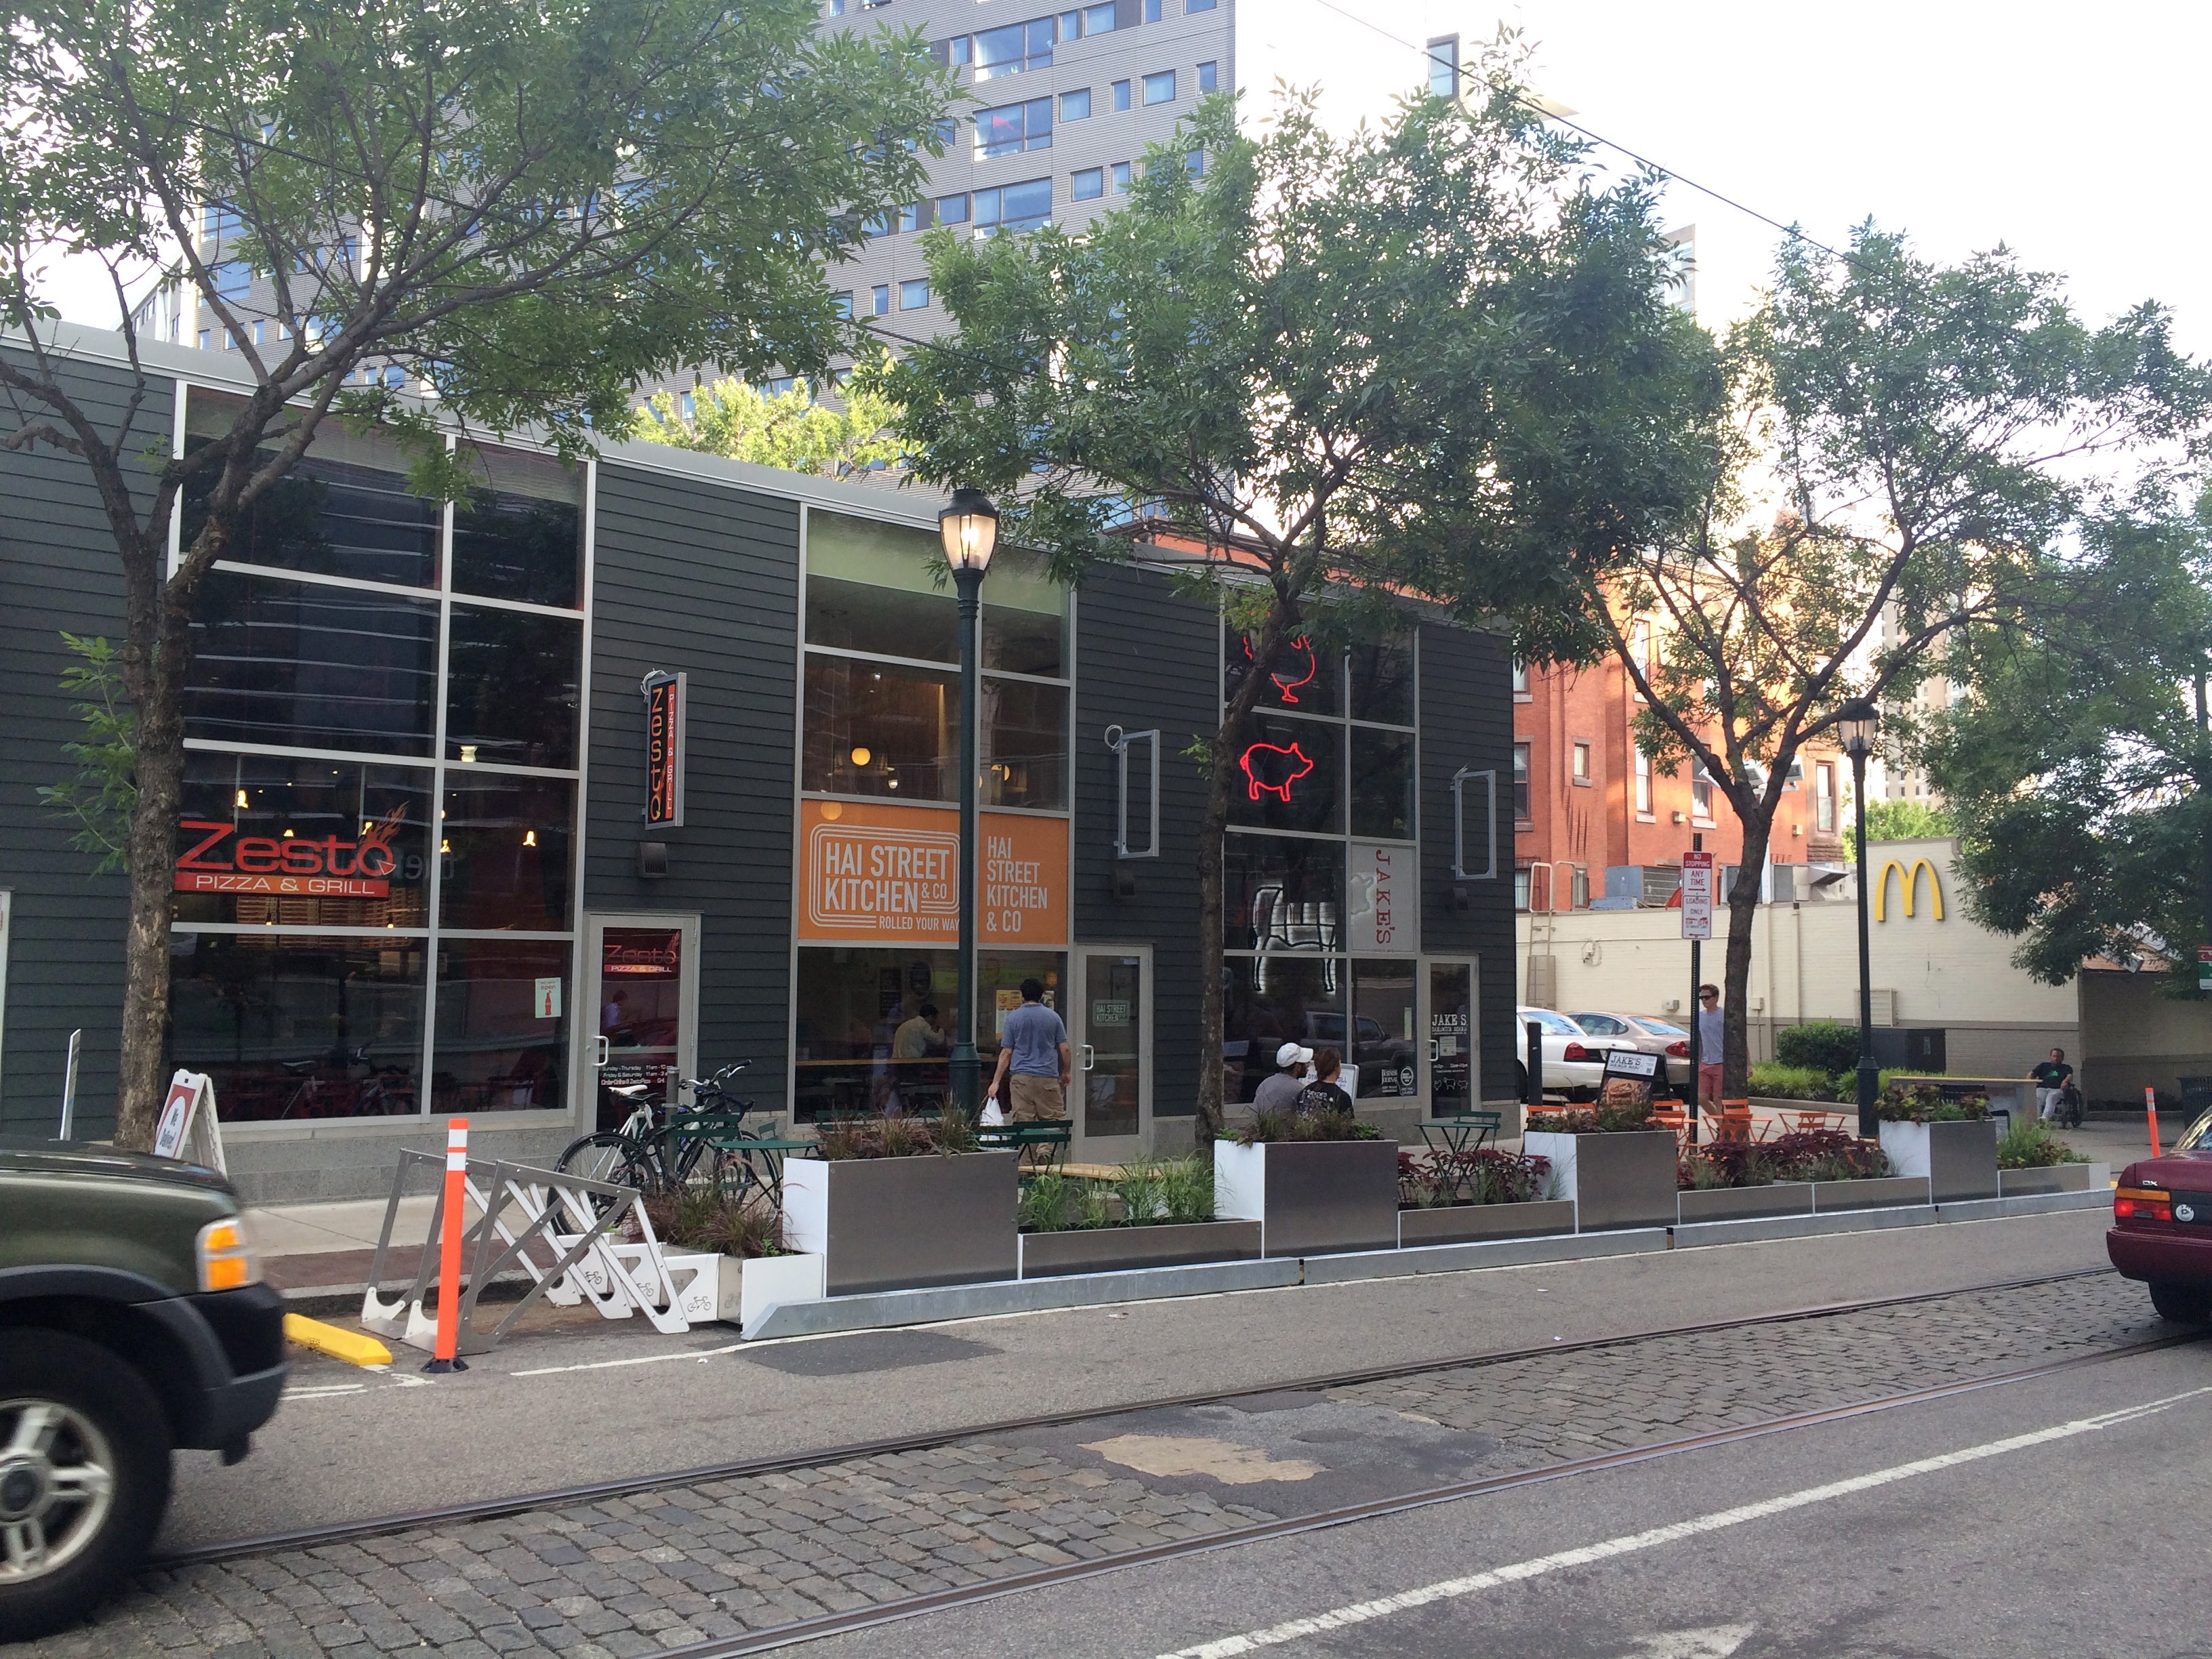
(1288, 687)
(1270, 769)
(268, 864)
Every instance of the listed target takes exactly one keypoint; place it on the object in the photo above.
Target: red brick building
(1585, 800)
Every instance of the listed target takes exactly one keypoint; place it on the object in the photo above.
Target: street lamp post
(1854, 723)
(969, 526)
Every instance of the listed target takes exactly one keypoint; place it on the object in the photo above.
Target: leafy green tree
(103, 796)
(1425, 358)
(530, 208)
(787, 429)
(1902, 440)
(2080, 768)
(1900, 820)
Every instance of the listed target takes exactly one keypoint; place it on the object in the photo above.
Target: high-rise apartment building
(1058, 111)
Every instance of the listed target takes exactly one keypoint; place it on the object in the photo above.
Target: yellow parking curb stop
(351, 1346)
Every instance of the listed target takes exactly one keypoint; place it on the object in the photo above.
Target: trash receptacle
(2196, 1096)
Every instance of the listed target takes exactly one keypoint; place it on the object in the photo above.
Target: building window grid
(1338, 958)
(1643, 783)
(442, 773)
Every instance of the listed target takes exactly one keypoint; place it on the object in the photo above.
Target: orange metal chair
(1733, 1123)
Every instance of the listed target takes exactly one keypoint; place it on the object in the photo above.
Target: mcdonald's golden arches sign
(1909, 881)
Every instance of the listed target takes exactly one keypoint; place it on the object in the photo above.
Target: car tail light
(1575, 1051)
(227, 1258)
(2141, 1204)
(1680, 1050)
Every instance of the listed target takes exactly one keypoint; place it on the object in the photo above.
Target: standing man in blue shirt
(1034, 1049)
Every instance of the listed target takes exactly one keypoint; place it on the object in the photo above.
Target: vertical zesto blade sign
(665, 695)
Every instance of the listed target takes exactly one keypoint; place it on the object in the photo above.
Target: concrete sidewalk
(327, 1248)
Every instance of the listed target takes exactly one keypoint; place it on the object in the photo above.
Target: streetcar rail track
(310, 1538)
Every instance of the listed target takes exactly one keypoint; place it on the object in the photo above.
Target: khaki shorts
(1036, 1099)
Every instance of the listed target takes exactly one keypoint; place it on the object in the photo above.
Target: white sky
(2077, 136)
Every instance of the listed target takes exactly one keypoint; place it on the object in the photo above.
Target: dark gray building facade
(416, 875)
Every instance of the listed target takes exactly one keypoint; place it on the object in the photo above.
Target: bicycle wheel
(610, 1157)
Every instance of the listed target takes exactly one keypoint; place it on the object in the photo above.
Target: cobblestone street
(658, 1570)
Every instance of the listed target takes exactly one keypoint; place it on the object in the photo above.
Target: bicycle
(656, 1155)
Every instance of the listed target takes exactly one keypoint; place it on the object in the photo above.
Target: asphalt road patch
(869, 1351)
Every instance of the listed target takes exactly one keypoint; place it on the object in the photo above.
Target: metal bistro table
(1450, 1137)
(1050, 1139)
(763, 1157)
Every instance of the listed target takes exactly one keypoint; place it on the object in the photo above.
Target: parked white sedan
(1574, 1060)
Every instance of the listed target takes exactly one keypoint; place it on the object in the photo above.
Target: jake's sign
(1909, 880)
(221, 861)
(892, 874)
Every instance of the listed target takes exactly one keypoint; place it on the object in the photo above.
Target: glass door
(644, 984)
(1454, 1078)
(1111, 1104)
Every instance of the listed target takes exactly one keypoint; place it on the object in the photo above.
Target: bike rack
(593, 1259)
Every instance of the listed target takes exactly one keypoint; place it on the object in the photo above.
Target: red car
(2162, 1226)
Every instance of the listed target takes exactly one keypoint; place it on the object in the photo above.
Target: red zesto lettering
(328, 868)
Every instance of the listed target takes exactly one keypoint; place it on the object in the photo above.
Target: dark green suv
(132, 1321)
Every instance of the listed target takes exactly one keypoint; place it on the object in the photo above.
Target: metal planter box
(1960, 1158)
(1310, 1197)
(1745, 1203)
(1615, 1180)
(1875, 1192)
(2059, 1178)
(1113, 1249)
(1472, 1223)
(896, 1223)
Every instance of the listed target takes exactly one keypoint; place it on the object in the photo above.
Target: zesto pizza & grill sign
(218, 859)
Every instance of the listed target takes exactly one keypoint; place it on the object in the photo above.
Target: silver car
(1647, 1034)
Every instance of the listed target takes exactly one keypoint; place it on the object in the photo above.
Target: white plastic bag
(994, 1115)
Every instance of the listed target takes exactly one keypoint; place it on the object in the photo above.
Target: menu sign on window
(665, 697)
(881, 874)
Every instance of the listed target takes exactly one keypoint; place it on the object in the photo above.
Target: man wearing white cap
(1279, 1091)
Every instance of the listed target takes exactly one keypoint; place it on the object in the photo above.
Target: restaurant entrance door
(642, 981)
(1448, 988)
(1110, 1025)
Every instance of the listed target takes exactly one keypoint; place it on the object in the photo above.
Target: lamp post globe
(970, 528)
(1855, 728)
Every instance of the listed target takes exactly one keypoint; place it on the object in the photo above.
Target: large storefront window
(299, 1026)
(294, 665)
(876, 729)
(1327, 905)
(314, 798)
(876, 1026)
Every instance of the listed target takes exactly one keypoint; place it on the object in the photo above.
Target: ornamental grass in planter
(1156, 1212)
(2029, 1144)
(708, 1235)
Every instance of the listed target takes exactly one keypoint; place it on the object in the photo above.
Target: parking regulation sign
(2205, 967)
(1697, 895)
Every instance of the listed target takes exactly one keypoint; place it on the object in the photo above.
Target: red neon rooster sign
(1300, 646)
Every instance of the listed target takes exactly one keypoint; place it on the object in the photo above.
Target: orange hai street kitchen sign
(221, 861)
(888, 875)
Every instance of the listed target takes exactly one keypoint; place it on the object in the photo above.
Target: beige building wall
(2134, 1037)
(1927, 968)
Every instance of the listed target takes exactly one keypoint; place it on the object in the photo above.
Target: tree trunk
(159, 771)
(1736, 986)
(1221, 777)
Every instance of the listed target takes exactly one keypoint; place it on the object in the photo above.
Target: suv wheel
(2185, 1304)
(84, 1476)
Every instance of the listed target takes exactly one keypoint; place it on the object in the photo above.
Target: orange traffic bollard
(2150, 1111)
(446, 1354)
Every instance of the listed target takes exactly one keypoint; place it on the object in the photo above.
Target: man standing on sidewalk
(1712, 1039)
(1034, 1056)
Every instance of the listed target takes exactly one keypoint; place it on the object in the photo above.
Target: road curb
(887, 1308)
(1992, 1209)
(1693, 1234)
(1489, 1253)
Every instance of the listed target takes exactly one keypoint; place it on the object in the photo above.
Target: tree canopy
(790, 430)
(1433, 358)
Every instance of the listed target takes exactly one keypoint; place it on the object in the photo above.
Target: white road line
(1359, 1612)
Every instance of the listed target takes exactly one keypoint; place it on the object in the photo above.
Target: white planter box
(1310, 1197)
(706, 1285)
(1615, 1180)
(771, 1281)
(1959, 1158)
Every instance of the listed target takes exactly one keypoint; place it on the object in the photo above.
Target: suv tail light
(1575, 1051)
(1679, 1050)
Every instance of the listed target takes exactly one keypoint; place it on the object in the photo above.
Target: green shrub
(1792, 1082)
(706, 1218)
(1827, 1046)
(1264, 1126)
(1186, 1187)
(2029, 1144)
(1050, 1202)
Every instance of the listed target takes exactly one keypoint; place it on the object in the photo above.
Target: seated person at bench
(1035, 1058)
